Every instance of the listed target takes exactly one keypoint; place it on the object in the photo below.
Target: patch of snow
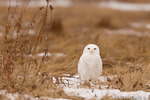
(125, 6)
(61, 3)
(59, 55)
(2, 91)
(14, 96)
(71, 86)
(128, 63)
(127, 32)
(76, 76)
(66, 74)
(138, 95)
(35, 3)
(31, 32)
(1, 34)
(42, 54)
(14, 35)
(99, 94)
(147, 26)
(90, 93)
(20, 76)
(49, 54)
(103, 79)
(30, 55)
(71, 82)
(139, 25)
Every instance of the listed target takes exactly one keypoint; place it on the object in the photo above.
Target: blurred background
(119, 27)
(41, 40)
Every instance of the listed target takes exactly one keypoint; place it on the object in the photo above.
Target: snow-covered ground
(35, 3)
(94, 91)
(114, 93)
(49, 54)
(16, 96)
(73, 87)
(140, 25)
(112, 4)
(127, 32)
(125, 6)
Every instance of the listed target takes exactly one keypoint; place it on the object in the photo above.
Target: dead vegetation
(20, 67)
(135, 1)
(125, 1)
(134, 78)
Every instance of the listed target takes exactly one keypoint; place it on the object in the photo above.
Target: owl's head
(91, 49)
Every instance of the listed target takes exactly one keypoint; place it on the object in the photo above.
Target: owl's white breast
(90, 67)
(91, 59)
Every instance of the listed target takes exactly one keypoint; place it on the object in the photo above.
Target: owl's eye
(88, 48)
(94, 48)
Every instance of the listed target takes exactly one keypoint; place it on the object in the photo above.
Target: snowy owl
(90, 63)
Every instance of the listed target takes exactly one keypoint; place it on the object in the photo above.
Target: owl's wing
(81, 65)
(100, 65)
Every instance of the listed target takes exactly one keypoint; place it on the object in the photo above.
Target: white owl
(90, 63)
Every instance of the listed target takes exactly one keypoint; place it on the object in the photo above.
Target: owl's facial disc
(91, 49)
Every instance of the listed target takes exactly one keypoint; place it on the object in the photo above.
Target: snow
(148, 26)
(139, 25)
(62, 3)
(13, 96)
(16, 96)
(73, 87)
(125, 6)
(59, 55)
(89, 93)
(35, 3)
(66, 3)
(127, 32)
(49, 54)
(31, 32)
(42, 54)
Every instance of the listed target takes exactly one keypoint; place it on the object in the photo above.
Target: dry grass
(68, 34)
(19, 71)
(135, 1)
(126, 1)
(133, 78)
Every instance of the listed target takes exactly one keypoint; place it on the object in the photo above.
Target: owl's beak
(91, 51)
